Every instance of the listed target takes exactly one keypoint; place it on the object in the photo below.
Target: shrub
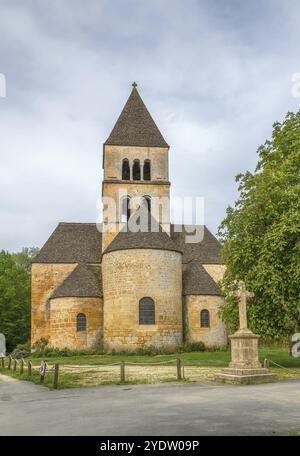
(192, 347)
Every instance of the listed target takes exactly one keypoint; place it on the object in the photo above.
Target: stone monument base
(245, 367)
(245, 376)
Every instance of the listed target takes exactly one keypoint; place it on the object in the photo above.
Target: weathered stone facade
(63, 319)
(104, 276)
(130, 275)
(215, 334)
(113, 185)
(44, 279)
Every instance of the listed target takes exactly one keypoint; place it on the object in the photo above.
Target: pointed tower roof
(135, 126)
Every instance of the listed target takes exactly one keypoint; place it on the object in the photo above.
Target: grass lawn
(199, 366)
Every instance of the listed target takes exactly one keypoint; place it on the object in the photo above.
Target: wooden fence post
(179, 377)
(266, 363)
(29, 368)
(9, 363)
(56, 372)
(21, 366)
(15, 365)
(2, 363)
(122, 371)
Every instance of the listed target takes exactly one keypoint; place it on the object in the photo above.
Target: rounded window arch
(146, 311)
(136, 170)
(125, 209)
(81, 322)
(147, 170)
(125, 169)
(204, 318)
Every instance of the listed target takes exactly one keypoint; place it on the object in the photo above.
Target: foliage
(261, 237)
(23, 259)
(43, 351)
(15, 296)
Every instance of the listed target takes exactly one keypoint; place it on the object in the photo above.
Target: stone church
(107, 286)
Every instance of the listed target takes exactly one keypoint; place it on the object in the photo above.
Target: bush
(192, 347)
(64, 352)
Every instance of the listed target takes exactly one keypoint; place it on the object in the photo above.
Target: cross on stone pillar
(243, 295)
(134, 85)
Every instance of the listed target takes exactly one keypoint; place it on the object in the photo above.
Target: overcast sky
(215, 75)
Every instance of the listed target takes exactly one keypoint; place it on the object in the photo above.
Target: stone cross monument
(242, 294)
(244, 366)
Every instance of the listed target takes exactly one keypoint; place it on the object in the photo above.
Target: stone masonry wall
(216, 271)
(158, 186)
(44, 279)
(63, 323)
(158, 156)
(216, 333)
(130, 275)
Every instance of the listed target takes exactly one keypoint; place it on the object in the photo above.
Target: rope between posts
(285, 368)
(87, 366)
(151, 364)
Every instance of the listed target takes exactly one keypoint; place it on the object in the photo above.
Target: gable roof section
(135, 126)
(82, 282)
(82, 243)
(197, 281)
(72, 243)
(208, 251)
(156, 240)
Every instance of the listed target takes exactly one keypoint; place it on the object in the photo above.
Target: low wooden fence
(26, 367)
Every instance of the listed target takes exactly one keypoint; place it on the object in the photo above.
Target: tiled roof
(72, 243)
(207, 251)
(197, 281)
(158, 240)
(82, 243)
(135, 126)
(82, 282)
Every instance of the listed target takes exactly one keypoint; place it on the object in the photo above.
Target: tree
(23, 258)
(261, 236)
(15, 296)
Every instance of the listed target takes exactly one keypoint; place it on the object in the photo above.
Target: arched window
(125, 170)
(204, 318)
(147, 311)
(136, 170)
(125, 209)
(81, 322)
(147, 170)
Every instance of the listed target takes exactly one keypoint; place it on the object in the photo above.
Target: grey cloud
(215, 76)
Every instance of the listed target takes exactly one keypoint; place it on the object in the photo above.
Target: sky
(215, 75)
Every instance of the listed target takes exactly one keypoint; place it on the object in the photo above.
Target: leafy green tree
(261, 237)
(15, 296)
(23, 258)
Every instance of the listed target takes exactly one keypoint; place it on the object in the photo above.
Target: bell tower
(135, 164)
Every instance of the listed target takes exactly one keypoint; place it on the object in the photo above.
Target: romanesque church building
(120, 289)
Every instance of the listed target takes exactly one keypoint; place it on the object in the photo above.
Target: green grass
(217, 359)
(204, 359)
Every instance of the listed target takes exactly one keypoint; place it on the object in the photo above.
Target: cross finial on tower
(134, 85)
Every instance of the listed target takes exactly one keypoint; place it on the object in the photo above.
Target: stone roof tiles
(135, 126)
(197, 281)
(83, 281)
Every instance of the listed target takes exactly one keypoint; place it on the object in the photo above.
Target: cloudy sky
(215, 75)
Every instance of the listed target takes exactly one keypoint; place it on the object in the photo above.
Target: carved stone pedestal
(245, 367)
